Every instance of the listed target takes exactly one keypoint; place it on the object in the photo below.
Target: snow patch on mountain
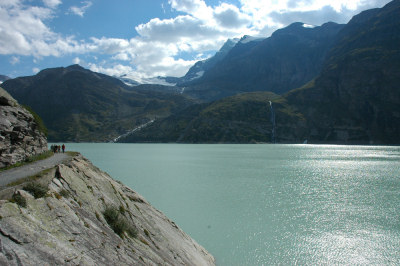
(3, 78)
(135, 81)
(247, 39)
(308, 26)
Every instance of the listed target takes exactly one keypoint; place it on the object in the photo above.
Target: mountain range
(289, 58)
(354, 99)
(77, 104)
(327, 84)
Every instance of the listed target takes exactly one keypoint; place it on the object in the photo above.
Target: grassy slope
(79, 105)
(242, 118)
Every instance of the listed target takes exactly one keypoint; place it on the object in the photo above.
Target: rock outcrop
(20, 135)
(69, 226)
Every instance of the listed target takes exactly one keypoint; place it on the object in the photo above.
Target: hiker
(63, 148)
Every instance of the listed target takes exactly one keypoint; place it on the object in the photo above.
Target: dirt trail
(14, 174)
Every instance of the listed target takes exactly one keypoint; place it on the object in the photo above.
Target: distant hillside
(242, 118)
(77, 104)
(289, 58)
(354, 100)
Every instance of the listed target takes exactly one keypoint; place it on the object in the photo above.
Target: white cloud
(116, 70)
(314, 17)
(14, 60)
(229, 16)
(202, 28)
(121, 57)
(195, 8)
(23, 31)
(157, 50)
(177, 29)
(80, 10)
(77, 60)
(269, 15)
(108, 45)
(52, 3)
(35, 70)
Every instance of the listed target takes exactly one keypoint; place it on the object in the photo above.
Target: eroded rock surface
(68, 226)
(19, 133)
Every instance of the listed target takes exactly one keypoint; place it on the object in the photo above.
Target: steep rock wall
(20, 136)
(68, 225)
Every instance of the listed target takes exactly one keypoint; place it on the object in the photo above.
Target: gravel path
(14, 174)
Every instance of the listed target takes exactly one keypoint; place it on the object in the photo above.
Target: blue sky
(145, 38)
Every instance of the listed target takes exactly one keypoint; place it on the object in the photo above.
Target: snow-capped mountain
(248, 38)
(197, 71)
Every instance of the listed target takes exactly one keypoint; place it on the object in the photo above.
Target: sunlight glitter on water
(270, 204)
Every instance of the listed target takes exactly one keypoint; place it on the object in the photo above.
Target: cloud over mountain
(168, 45)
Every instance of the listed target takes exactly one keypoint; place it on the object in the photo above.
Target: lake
(269, 204)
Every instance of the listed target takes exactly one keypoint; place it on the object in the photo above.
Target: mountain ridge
(354, 100)
(359, 83)
(77, 104)
(289, 58)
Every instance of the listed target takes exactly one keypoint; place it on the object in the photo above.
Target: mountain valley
(327, 84)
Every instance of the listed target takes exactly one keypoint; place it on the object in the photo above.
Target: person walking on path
(63, 148)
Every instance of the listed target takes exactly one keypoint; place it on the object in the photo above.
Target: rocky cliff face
(356, 97)
(288, 59)
(70, 225)
(20, 136)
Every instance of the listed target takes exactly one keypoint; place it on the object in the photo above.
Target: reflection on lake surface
(269, 204)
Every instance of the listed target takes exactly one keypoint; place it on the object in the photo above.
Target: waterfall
(273, 122)
(133, 130)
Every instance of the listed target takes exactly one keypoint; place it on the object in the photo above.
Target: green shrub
(38, 157)
(122, 210)
(132, 231)
(118, 222)
(146, 233)
(42, 128)
(17, 198)
(65, 193)
(110, 214)
(97, 216)
(36, 189)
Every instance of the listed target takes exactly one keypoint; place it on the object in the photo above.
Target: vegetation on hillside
(80, 105)
(41, 126)
(347, 79)
(244, 118)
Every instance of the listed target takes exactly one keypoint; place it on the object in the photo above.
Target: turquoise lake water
(269, 204)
